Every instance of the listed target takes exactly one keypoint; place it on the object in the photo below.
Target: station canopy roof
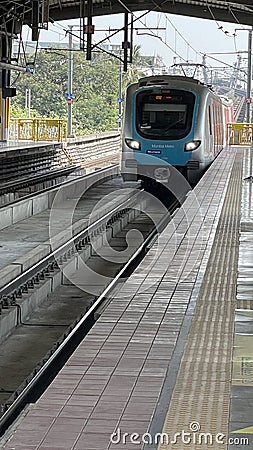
(237, 11)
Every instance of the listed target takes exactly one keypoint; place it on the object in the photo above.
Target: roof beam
(228, 11)
(225, 14)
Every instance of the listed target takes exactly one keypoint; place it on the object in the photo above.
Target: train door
(210, 131)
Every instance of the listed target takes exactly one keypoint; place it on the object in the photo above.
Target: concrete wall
(23, 209)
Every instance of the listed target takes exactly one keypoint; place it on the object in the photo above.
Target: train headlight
(192, 145)
(133, 144)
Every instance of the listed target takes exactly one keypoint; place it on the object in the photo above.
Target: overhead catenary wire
(97, 44)
(144, 15)
(223, 62)
(180, 34)
(156, 6)
(143, 23)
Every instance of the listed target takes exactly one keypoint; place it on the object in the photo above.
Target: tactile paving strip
(199, 408)
(241, 396)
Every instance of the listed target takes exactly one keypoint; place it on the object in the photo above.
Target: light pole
(28, 102)
(248, 105)
(120, 96)
(70, 81)
(249, 75)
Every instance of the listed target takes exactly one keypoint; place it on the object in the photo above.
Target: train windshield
(164, 113)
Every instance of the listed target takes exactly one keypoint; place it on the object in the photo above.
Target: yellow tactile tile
(199, 408)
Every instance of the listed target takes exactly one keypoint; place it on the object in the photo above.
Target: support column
(248, 95)
(2, 114)
(4, 82)
(70, 76)
(89, 29)
(5, 79)
(125, 44)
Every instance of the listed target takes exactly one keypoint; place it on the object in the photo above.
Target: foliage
(133, 72)
(95, 89)
(94, 93)
(17, 111)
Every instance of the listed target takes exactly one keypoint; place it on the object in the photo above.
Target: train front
(158, 132)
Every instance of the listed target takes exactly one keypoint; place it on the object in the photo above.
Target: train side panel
(128, 160)
(203, 155)
(211, 130)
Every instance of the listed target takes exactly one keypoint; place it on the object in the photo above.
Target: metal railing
(38, 129)
(239, 133)
(56, 130)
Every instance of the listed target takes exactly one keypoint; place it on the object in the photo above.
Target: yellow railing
(56, 130)
(38, 129)
(239, 133)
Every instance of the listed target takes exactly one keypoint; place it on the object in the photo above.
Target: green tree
(94, 94)
(134, 71)
(17, 111)
(47, 86)
(95, 88)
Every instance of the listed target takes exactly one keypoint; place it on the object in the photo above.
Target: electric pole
(248, 95)
(70, 79)
(28, 102)
(120, 96)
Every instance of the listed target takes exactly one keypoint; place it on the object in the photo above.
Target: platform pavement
(123, 376)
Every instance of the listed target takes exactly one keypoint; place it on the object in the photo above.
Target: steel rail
(52, 366)
(63, 183)
(16, 183)
(27, 275)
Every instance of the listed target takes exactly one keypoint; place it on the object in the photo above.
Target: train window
(163, 116)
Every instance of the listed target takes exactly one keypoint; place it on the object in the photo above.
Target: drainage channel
(43, 343)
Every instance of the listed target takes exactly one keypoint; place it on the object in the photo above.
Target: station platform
(10, 148)
(172, 353)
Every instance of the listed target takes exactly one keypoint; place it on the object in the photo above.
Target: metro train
(171, 121)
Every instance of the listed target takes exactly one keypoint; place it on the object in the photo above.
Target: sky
(188, 37)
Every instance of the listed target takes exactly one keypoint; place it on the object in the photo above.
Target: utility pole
(248, 95)
(248, 90)
(70, 81)
(120, 96)
(28, 103)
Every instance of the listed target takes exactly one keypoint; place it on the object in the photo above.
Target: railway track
(40, 171)
(24, 187)
(72, 308)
